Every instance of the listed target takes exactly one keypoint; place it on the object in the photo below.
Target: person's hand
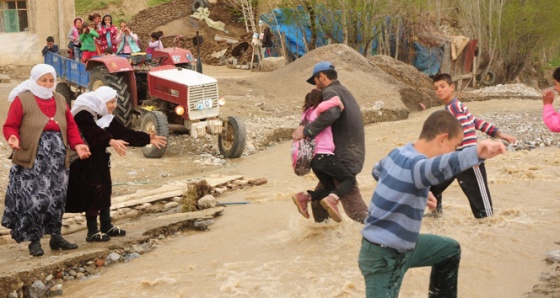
(158, 141)
(489, 148)
(509, 138)
(83, 151)
(432, 201)
(548, 96)
(119, 146)
(298, 133)
(13, 142)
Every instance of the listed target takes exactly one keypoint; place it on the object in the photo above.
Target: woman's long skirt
(35, 196)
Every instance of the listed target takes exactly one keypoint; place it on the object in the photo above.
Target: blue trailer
(70, 73)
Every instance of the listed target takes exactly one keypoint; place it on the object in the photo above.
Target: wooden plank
(227, 39)
(217, 181)
(148, 199)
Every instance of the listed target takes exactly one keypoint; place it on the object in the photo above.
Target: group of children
(410, 179)
(101, 37)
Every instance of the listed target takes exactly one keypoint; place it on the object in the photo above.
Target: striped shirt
(470, 123)
(404, 178)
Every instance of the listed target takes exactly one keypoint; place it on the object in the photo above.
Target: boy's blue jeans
(383, 268)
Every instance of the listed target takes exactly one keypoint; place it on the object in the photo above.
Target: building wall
(46, 17)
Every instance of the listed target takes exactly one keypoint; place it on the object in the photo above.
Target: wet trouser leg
(474, 184)
(438, 190)
(328, 168)
(353, 204)
(384, 268)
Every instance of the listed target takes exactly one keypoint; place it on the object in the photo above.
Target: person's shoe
(57, 242)
(330, 203)
(98, 237)
(115, 232)
(35, 249)
(301, 199)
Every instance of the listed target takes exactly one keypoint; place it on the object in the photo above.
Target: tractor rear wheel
(64, 89)
(231, 141)
(154, 122)
(100, 76)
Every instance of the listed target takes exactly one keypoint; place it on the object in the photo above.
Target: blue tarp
(295, 35)
(427, 60)
(298, 33)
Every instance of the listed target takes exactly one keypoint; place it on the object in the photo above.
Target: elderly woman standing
(90, 185)
(41, 131)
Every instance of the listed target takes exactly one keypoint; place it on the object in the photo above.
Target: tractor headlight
(221, 101)
(179, 110)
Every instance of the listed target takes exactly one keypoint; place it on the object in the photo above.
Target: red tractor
(161, 90)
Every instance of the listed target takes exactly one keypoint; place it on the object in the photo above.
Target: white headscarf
(97, 102)
(30, 84)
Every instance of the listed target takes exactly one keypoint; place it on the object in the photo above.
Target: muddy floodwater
(266, 249)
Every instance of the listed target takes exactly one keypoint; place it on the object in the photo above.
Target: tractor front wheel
(100, 76)
(154, 122)
(231, 141)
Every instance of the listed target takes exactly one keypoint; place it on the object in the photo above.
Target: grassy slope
(83, 7)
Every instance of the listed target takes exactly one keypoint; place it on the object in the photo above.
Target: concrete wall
(46, 17)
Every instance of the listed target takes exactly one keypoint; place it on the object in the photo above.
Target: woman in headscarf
(90, 185)
(41, 131)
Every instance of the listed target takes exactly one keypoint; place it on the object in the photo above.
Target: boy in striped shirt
(392, 242)
(473, 181)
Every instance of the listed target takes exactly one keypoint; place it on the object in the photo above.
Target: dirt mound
(419, 88)
(173, 19)
(367, 82)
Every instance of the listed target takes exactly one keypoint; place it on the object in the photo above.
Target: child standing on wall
(325, 164)
(87, 38)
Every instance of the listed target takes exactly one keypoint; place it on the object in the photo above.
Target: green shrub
(157, 2)
(85, 6)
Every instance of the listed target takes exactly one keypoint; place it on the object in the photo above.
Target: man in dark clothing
(348, 136)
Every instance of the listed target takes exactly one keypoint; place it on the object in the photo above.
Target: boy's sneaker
(330, 203)
(301, 199)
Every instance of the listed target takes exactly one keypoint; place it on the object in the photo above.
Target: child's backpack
(303, 151)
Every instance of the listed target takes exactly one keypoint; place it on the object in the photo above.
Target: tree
(510, 31)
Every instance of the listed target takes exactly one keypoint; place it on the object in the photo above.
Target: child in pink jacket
(325, 164)
(550, 117)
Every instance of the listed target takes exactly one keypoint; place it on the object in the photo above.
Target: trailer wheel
(154, 122)
(100, 76)
(231, 141)
(199, 3)
(64, 90)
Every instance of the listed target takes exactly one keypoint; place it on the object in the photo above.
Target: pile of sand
(372, 87)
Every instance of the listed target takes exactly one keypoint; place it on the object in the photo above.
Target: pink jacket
(324, 139)
(551, 118)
